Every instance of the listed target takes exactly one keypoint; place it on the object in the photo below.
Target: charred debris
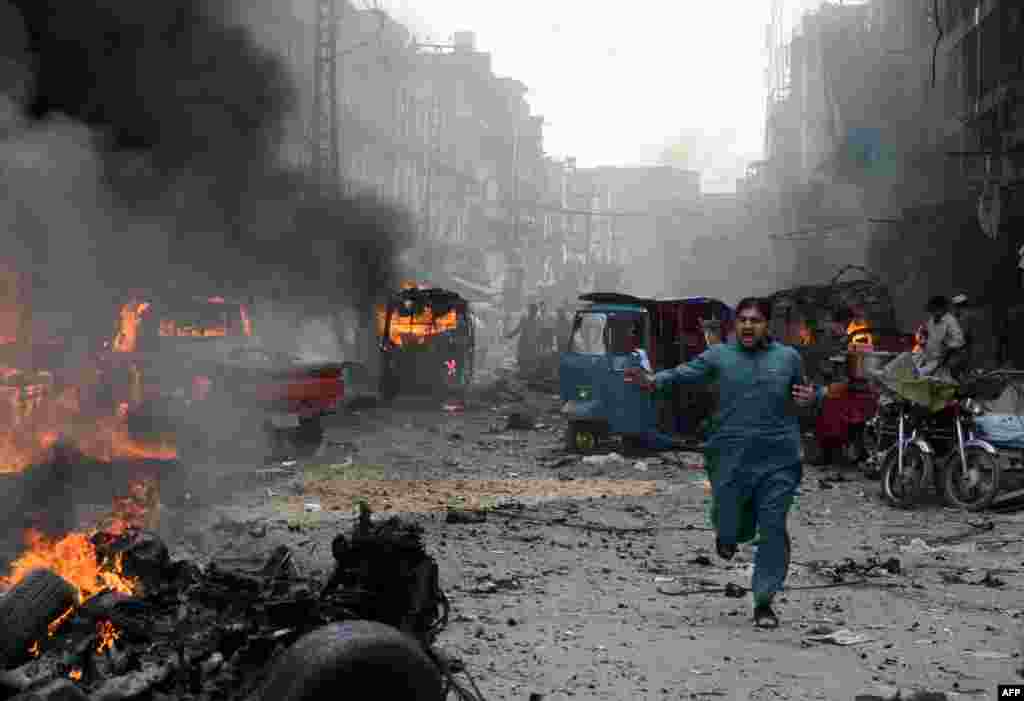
(188, 632)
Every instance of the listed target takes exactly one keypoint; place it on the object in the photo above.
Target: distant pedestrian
(546, 331)
(528, 331)
(753, 454)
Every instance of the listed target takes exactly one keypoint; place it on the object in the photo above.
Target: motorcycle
(909, 441)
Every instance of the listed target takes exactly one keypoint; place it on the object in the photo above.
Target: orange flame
(75, 675)
(106, 635)
(415, 328)
(171, 328)
(34, 416)
(73, 558)
(127, 337)
(246, 320)
(859, 339)
(57, 622)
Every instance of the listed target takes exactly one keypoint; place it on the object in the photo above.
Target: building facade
(431, 128)
(894, 138)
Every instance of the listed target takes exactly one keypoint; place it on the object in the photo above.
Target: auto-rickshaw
(427, 342)
(843, 330)
(614, 331)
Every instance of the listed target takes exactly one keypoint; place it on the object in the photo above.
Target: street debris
(520, 421)
(486, 585)
(991, 581)
(987, 655)
(730, 590)
(882, 693)
(465, 516)
(608, 459)
(872, 567)
(918, 546)
(841, 637)
(211, 632)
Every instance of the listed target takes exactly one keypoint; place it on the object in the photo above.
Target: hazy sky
(619, 81)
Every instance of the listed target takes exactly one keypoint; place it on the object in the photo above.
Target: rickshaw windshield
(603, 333)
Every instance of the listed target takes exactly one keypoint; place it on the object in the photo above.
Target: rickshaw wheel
(580, 438)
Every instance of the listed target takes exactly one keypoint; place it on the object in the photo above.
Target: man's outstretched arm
(701, 369)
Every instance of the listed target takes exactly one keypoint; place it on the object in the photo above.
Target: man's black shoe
(726, 552)
(764, 617)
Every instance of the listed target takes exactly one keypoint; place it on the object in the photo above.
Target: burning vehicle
(46, 394)
(176, 373)
(427, 342)
(192, 366)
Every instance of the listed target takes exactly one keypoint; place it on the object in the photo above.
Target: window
(599, 333)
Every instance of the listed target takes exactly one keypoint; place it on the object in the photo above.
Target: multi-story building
(894, 134)
(431, 128)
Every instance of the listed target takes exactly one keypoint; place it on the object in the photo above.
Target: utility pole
(433, 154)
(326, 156)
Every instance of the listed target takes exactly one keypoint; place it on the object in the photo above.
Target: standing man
(546, 331)
(943, 337)
(563, 325)
(753, 454)
(528, 331)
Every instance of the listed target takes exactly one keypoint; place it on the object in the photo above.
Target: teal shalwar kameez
(753, 452)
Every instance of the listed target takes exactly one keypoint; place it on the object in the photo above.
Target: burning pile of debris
(113, 617)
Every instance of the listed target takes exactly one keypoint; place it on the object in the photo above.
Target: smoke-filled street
(562, 350)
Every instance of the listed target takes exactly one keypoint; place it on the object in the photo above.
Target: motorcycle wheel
(905, 491)
(972, 489)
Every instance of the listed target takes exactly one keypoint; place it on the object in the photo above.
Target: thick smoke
(184, 114)
(140, 151)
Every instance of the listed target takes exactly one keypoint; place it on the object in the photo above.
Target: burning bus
(427, 342)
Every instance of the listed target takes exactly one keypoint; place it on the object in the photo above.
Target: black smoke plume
(183, 112)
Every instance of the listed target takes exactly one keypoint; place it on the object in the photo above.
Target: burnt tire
(27, 610)
(353, 655)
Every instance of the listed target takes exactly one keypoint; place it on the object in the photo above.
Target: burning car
(427, 342)
(192, 365)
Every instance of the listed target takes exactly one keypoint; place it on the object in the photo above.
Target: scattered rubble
(850, 568)
(520, 421)
(212, 632)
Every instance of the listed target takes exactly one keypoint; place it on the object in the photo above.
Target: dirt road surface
(561, 591)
